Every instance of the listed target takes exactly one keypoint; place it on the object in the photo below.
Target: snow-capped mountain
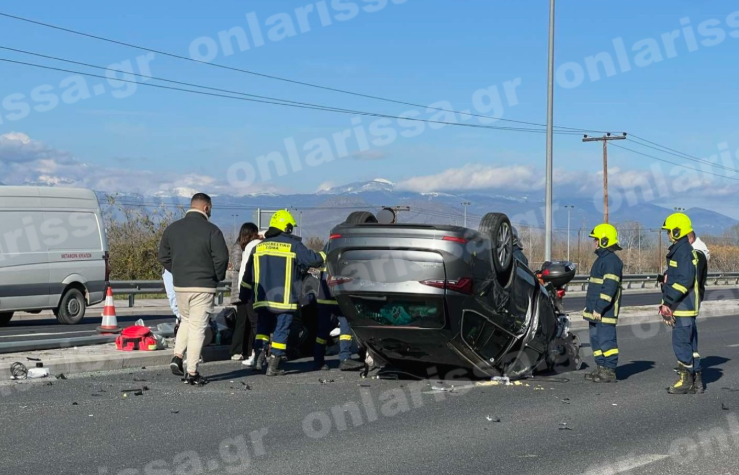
(378, 184)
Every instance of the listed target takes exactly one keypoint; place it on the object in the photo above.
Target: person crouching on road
(681, 303)
(242, 344)
(602, 303)
(328, 314)
(194, 251)
(273, 278)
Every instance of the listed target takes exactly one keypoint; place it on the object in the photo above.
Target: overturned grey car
(419, 296)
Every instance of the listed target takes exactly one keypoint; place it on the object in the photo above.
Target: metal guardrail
(132, 288)
(644, 281)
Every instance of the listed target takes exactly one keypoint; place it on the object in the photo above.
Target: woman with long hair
(242, 345)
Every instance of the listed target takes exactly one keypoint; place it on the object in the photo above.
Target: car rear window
(399, 311)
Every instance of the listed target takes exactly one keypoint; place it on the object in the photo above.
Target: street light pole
(465, 204)
(550, 118)
(569, 208)
(233, 226)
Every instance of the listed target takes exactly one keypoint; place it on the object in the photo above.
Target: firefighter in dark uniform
(681, 303)
(602, 303)
(328, 315)
(273, 275)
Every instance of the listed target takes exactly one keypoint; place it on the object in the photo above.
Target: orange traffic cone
(110, 321)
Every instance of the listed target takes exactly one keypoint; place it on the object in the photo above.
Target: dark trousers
(604, 344)
(685, 343)
(245, 330)
(279, 326)
(327, 320)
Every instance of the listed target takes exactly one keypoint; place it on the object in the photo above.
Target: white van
(53, 252)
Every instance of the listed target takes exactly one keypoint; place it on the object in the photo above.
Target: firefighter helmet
(678, 226)
(606, 235)
(283, 221)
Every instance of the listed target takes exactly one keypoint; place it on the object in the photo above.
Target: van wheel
(361, 217)
(5, 318)
(72, 307)
(497, 228)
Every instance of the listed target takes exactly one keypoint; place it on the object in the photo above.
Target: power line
(677, 153)
(674, 163)
(286, 104)
(277, 78)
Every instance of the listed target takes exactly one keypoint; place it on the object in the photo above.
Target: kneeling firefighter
(273, 276)
(602, 302)
(328, 314)
(681, 303)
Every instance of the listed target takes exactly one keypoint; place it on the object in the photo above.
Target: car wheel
(361, 217)
(497, 228)
(71, 308)
(5, 318)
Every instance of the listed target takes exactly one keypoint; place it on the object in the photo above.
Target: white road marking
(47, 334)
(734, 346)
(627, 464)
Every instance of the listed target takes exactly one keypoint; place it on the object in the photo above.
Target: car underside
(428, 296)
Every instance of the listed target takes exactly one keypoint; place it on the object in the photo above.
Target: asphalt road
(299, 424)
(48, 328)
(577, 303)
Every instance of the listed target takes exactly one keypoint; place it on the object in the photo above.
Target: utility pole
(605, 140)
(550, 135)
(569, 208)
(465, 204)
(678, 210)
(233, 226)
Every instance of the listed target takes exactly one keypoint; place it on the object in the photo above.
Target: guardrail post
(131, 299)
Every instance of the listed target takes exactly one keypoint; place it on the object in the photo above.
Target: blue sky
(417, 51)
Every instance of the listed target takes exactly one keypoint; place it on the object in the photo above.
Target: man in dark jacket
(681, 303)
(273, 277)
(194, 251)
(602, 303)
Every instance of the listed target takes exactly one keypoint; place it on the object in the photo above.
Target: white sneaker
(335, 332)
(237, 357)
(249, 362)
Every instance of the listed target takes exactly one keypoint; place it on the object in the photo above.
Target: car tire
(5, 318)
(497, 227)
(71, 308)
(361, 217)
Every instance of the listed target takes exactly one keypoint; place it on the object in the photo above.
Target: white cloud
(475, 177)
(325, 186)
(24, 161)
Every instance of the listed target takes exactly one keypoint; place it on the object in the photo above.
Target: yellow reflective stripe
(597, 353)
(245, 285)
(685, 313)
(327, 302)
(345, 338)
(673, 263)
(696, 355)
(320, 341)
(288, 280)
(618, 299)
(323, 254)
(606, 297)
(587, 314)
(612, 277)
(680, 288)
(609, 320)
(596, 280)
(263, 337)
(277, 305)
(275, 254)
(610, 352)
(256, 279)
(279, 346)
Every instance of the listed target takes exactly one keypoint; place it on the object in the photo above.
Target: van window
(71, 231)
(20, 233)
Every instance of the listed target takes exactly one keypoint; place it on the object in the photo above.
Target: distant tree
(315, 243)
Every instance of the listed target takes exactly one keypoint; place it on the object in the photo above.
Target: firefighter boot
(261, 360)
(273, 366)
(606, 375)
(698, 382)
(590, 376)
(684, 385)
(351, 365)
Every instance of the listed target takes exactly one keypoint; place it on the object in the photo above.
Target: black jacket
(194, 251)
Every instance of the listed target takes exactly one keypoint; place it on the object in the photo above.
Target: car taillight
(561, 293)
(106, 257)
(463, 285)
(334, 236)
(454, 239)
(335, 280)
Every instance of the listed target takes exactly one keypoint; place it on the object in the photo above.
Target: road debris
(326, 381)
(492, 419)
(18, 371)
(61, 376)
(564, 426)
(175, 412)
(32, 359)
(75, 404)
(246, 386)
(732, 390)
(725, 407)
